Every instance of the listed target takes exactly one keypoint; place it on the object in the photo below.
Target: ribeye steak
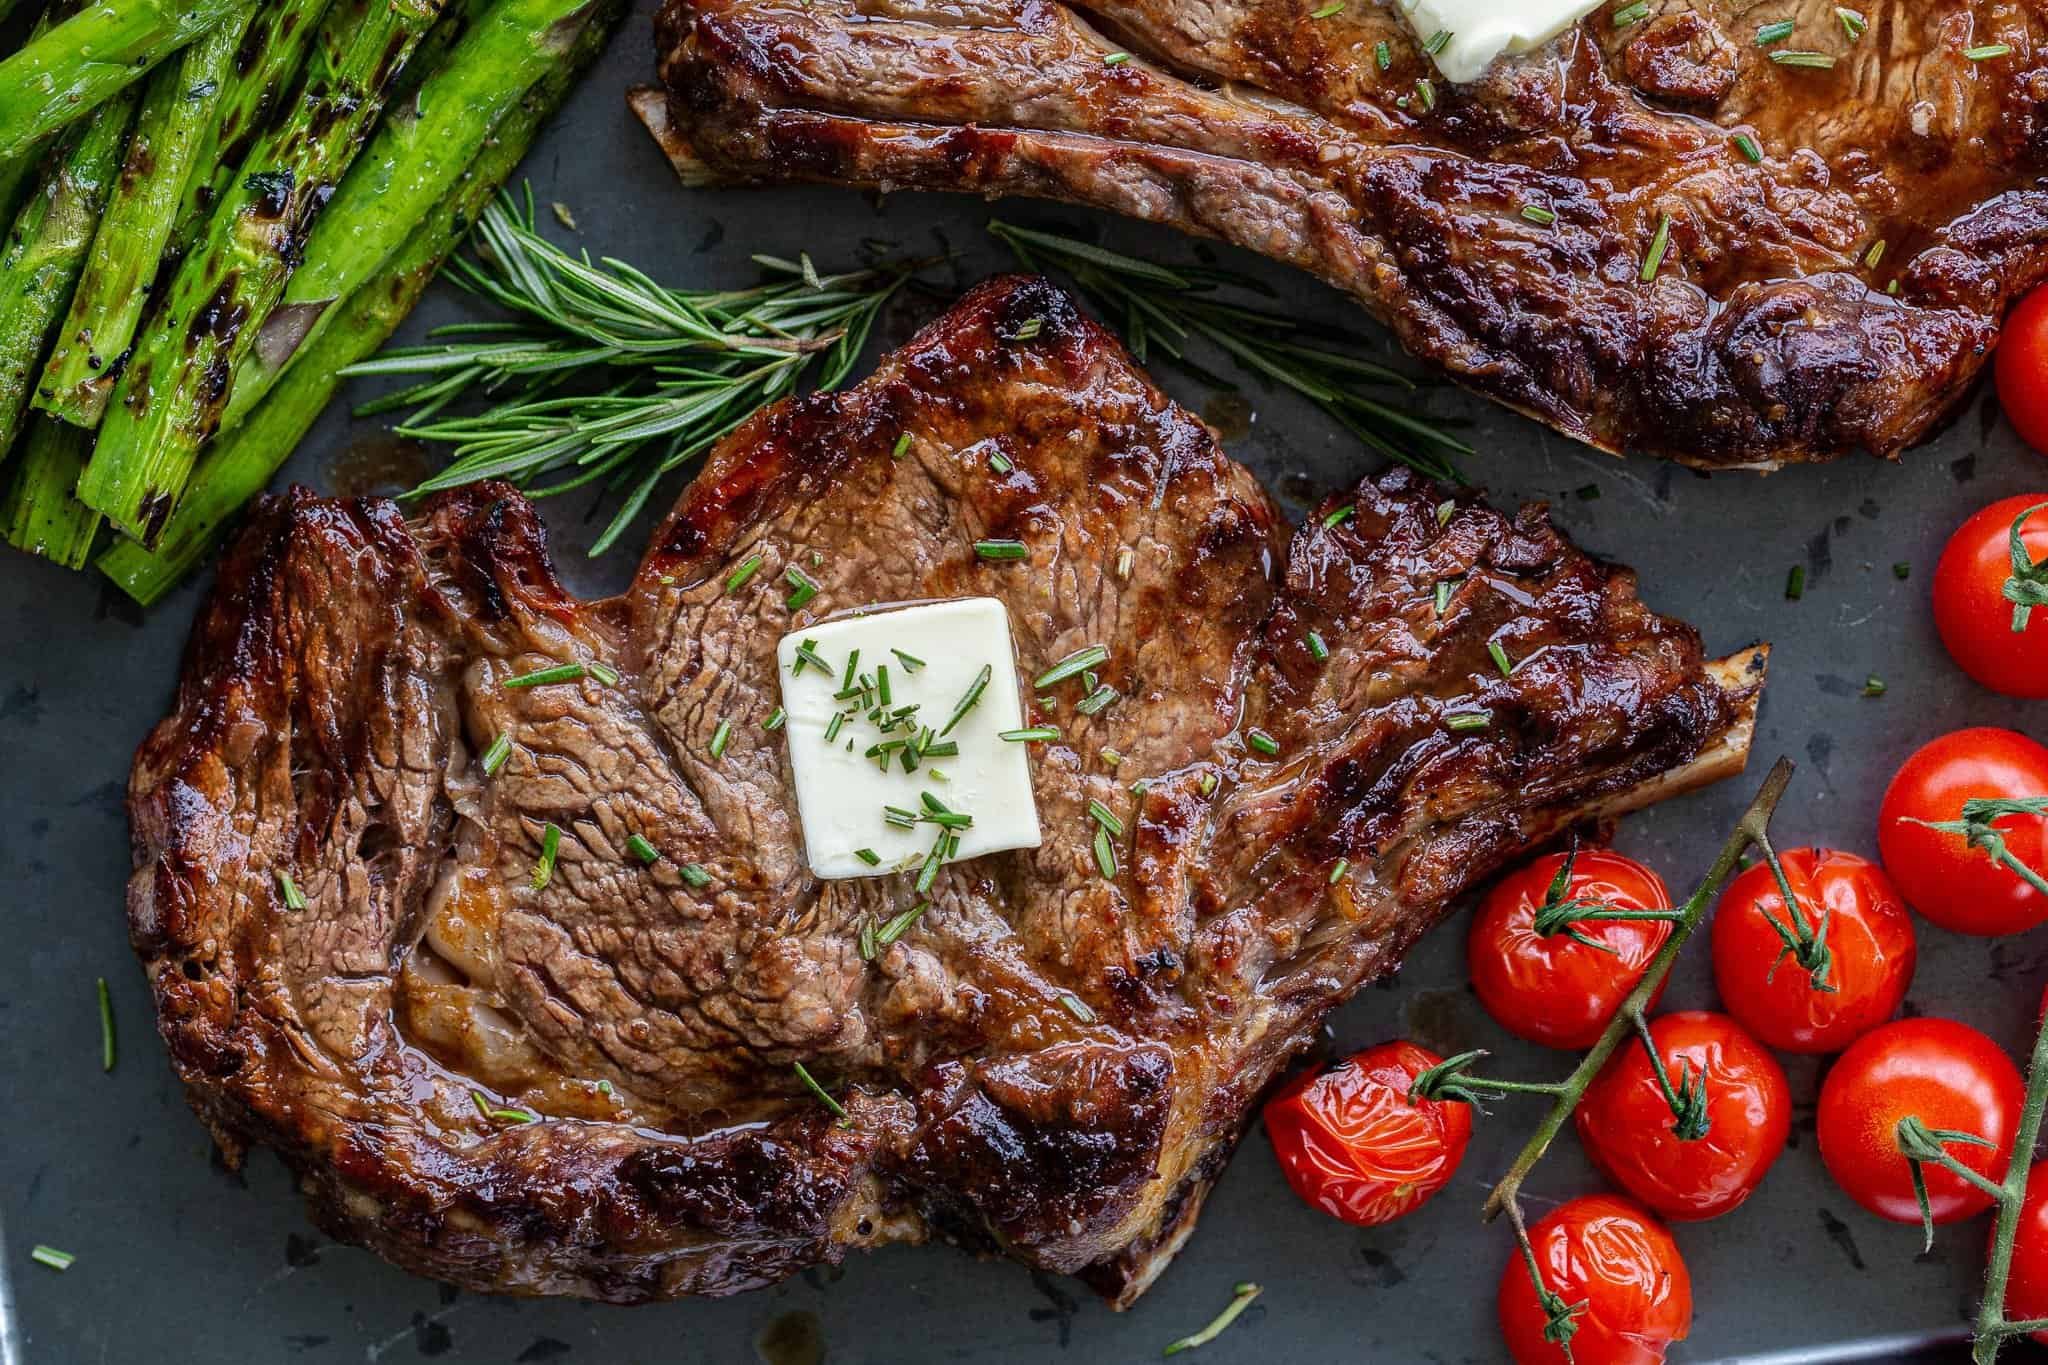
(1842, 240)
(589, 1087)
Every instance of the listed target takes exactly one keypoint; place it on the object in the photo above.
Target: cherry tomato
(1946, 877)
(1971, 609)
(1613, 1257)
(2022, 366)
(2026, 1290)
(1947, 1075)
(1353, 1144)
(1849, 906)
(1549, 988)
(1629, 1128)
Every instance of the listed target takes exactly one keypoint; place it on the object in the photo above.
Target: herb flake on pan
(106, 1003)
(1241, 1299)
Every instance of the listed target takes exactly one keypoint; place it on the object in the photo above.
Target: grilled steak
(1837, 291)
(588, 1086)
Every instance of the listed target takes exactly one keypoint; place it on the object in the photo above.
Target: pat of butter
(1481, 30)
(843, 791)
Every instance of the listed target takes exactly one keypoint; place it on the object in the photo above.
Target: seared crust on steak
(1048, 1063)
(1838, 293)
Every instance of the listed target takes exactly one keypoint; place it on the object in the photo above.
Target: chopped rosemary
(1747, 145)
(1096, 702)
(1076, 1006)
(1263, 742)
(604, 673)
(1425, 90)
(1437, 41)
(1987, 52)
(638, 846)
(899, 925)
(720, 737)
(901, 448)
(1875, 254)
(1853, 22)
(776, 719)
(1536, 213)
(294, 899)
(1001, 549)
(1105, 817)
(1317, 648)
(1873, 686)
(544, 676)
(1445, 510)
(899, 817)
(803, 588)
(868, 856)
(824, 1098)
(1660, 244)
(1775, 33)
(106, 1002)
(968, 699)
(737, 579)
(911, 663)
(51, 1257)
(1337, 872)
(1383, 54)
(498, 1113)
(495, 756)
(695, 876)
(1339, 517)
(929, 872)
(1075, 664)
(1029, 329)
(1632, 14)
(999, 462)
(1902, 571)
(1033, 734)
(1468, 720)
(1335, 7)
(1442, 594)
(807, 653)
(1500, 658)
(1207, 784)
(832, 726)
(1786, 56)
(1795, 583)
(1105, 855)
(1115, 59)
(882, 693)
(550, 845)
(1110, 757)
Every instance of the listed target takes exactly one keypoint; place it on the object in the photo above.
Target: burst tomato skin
(1626, 1123)
(2026, 1291)
(1942, 876)
(1352, 1144)
(1549, 989)
(1617, 1259)
(1948, 1075)
(2021, 362)
(1970, 608)
(1869, 935)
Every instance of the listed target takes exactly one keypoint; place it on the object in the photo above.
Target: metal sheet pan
(181, 1261)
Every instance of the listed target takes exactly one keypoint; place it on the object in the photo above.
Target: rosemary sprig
(607, 376)
(1166, 308)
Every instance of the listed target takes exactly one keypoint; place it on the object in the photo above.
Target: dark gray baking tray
(180, 1261)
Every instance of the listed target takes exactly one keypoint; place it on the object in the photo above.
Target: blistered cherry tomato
(1711, 1159)
(1550, 988)
(1851, 912)
(2022, 366)
(1970, 606)
(1615, 1258)
(1947, 1075)
(2026, 1290)
(1353, 1144)
(1943, 875)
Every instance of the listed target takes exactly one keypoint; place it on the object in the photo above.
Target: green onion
(1987, 52)
(1096, 702)
(901, 448)
(900, 924)
(495, 756)
(638, 846)
(776, 719)
(1106, 818)
(804, 588)
(1660, 243)
(1469, 720)
(1105, 856)
(1853, 22)
(1035, 734)
(834, 1105)
(1263, 742)
(720, 737)
(106, 1027)
(1339, 517)
(1317, 648)
(51, 1257)
(969, 698)
(1796, 57)
(1500, 658)
(1633, 14)
(1795, 583)
(559, 673)
(911, 663)
(737, 579)
(1337, 872)
(1775, 33)
(1873, 686)
(695, 875)
(868, 856)
(1001, 549)
(1536, 213)
(999, 462)
(1080, 661)
(550, 844)
(1113, 59)
(294, 899)
(1746, 144)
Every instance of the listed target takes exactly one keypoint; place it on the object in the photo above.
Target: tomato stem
(1979, 827)
(1689, 1100)
(2028, 586)
(1562, 913)
(1808, 946)
(1993, 1328)
(1451, 1080)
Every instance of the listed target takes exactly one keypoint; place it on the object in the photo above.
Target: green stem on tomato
(1450, 1081)
(1688, 1100)
(1993, 1329)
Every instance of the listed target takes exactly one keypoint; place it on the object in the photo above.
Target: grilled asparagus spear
(168, 400)
(77, 65)
(243, 460)
(419, 152)
(37, 512)
(47, 247)
(178, 106)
